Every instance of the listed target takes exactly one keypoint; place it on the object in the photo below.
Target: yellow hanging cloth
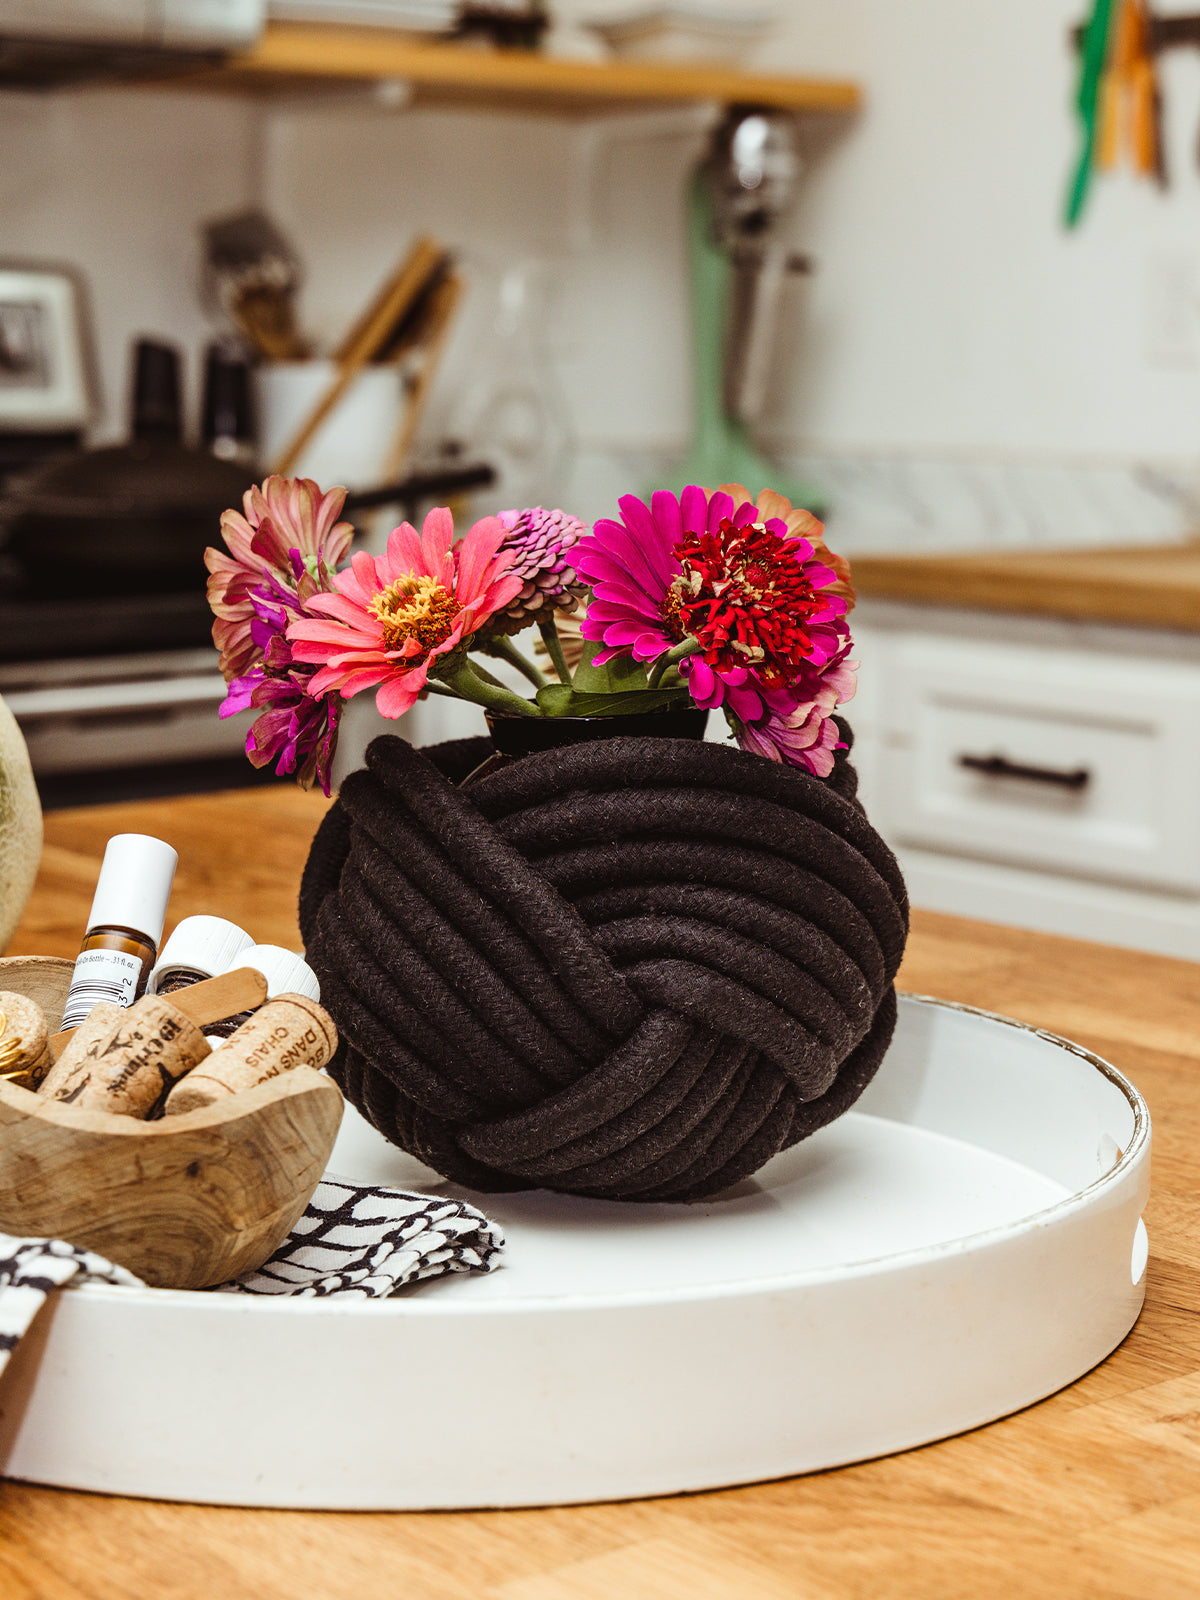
(1129, 105)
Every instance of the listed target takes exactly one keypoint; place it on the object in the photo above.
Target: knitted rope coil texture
(633, 969)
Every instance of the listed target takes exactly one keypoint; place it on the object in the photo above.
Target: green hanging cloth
(1093, 55)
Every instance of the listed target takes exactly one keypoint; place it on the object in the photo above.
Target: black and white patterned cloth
(353, 1240)
(31, 1270)
(371, 1241)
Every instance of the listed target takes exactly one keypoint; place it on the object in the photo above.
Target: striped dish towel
(353, 1240)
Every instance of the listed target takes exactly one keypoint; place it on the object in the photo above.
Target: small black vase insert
(513, 736)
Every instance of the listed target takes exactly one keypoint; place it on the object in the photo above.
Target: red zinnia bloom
(798, 728)
(802, 524)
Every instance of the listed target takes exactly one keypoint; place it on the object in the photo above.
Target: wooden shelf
(293, 55)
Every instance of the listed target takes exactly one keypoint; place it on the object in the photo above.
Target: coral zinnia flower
(392, 617)
(285, 514)
(753, 599)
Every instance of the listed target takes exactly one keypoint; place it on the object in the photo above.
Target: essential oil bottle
(199, 947)
(124, 925)
(285, 972)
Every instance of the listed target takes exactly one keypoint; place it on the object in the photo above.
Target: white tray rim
(405, 1306)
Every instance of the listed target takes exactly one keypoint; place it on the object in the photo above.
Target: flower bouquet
(631, 967)
(712, 600)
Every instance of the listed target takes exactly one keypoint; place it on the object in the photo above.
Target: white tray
(964, 1242)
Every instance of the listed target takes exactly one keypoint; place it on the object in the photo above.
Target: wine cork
(98, 1024)
(129, 1064)
(289, 1031)
(23, 1037)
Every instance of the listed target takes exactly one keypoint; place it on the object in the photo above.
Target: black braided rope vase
(634, 969)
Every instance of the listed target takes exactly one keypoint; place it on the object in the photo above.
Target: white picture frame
(45, 367)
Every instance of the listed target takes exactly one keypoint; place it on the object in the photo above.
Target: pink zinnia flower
(800, 738)
(754, 598)
(392, 617)
(798, 728)
(286, 514)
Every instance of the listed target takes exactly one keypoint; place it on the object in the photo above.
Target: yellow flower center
(417, 608)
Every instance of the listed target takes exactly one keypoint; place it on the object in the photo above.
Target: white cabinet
(1033, 772)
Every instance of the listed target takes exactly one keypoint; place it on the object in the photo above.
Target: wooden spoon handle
(208, 1001)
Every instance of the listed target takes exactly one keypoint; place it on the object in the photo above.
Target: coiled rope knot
(636, 968)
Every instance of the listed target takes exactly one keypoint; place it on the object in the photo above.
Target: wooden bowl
(184, 1203)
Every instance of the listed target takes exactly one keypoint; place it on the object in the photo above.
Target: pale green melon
(20, 826)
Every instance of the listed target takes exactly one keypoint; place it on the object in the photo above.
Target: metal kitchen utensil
(737, 198)
(251, 274)
(752, 171)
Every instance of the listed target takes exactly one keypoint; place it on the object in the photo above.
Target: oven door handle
(107, 699)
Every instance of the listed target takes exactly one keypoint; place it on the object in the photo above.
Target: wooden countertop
(1094, 1493)
(1148, 586)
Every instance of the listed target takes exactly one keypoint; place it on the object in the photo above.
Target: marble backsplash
(905, 501)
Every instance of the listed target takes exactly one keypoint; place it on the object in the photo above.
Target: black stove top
(38, 629)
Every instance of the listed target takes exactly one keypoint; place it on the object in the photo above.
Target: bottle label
(101, 975)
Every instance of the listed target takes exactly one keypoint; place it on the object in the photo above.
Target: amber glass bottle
(124, 926)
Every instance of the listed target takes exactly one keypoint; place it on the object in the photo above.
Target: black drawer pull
(1002, 767)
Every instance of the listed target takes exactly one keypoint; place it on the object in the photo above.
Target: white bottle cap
(134, 885)
(200, 944)
(284, 970)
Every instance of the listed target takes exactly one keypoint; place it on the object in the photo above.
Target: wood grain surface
(1094, 1493)
(1149, 585)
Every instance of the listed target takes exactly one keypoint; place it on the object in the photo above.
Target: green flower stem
(504, 649)
(689, 647)
(481, 671)
(554, 649)
(468, 684)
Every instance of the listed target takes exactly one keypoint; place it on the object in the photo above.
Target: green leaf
(557, 700)
(614, 677)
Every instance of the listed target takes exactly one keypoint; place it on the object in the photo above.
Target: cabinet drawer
(1058, 759)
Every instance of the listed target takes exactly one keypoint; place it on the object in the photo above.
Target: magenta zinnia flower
(392, 617)
(286, 514)
(753, 599)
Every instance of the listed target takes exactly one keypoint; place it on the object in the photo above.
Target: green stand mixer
(735, 199)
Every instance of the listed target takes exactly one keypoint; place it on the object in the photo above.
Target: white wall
(952, 308)
(116, 184)
(950, 317)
